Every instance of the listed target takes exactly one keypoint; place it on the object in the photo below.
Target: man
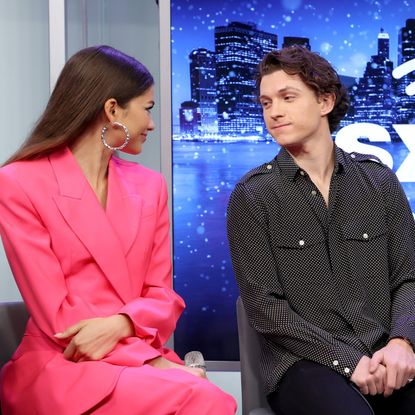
(323, 249)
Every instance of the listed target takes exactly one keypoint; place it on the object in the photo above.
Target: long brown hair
(314, 71)
(88, 79)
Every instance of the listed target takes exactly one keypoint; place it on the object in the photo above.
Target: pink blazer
(73, 260)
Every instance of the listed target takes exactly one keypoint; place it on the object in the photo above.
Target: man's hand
(399, 359)
(92, 339)
(368, 382)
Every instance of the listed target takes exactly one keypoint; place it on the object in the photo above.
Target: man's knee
(312, 389)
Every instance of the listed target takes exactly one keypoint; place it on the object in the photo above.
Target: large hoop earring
(127, 136)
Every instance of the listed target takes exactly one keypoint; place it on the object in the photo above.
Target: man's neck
(317, 159)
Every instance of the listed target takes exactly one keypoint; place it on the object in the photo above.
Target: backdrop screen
(219, 135)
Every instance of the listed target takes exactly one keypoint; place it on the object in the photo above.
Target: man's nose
(276, 110)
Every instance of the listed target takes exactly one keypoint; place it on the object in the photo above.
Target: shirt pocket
(303, 266)
(366, 250)
(364, 230)
(297, 239)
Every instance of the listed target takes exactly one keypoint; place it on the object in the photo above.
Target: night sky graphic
(345, 33)
(205, 171)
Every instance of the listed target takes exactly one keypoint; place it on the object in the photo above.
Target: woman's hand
(162, 363)
(94, 338)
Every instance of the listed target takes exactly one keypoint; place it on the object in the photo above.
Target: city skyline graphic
(222, 99)
(219, 134)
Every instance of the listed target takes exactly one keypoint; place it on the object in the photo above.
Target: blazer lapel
(124, 205)
(82, 211)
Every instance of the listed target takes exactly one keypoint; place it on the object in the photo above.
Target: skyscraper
(203, 88)
(383, 44)
(239, 48)
(189, 118)
(292, 40)
(374, 100)
(405, 108)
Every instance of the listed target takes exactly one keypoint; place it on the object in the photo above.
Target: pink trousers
(149, 391)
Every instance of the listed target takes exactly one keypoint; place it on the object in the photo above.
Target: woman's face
(137, 118)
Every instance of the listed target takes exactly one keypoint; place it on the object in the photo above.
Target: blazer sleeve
(155, 313)
(35, 267)
(401, 258)
(37, 270)
(268, 311)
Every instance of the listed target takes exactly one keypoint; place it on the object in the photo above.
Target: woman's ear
(327, 103)
(110, 109)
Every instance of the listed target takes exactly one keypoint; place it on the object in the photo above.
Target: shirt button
(335, 362)
(313, 192)
(346, 370)
(269, 167)
(352, 155)
(301, 242)
(365, 236)
(302, 173)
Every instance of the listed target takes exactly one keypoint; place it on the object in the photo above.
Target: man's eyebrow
(289, 88)
(281, 91)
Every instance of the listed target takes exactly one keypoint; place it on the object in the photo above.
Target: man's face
(292, 113)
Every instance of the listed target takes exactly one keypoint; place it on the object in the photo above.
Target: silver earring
(127, 136)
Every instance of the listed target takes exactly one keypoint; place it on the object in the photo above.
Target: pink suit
(73, 260)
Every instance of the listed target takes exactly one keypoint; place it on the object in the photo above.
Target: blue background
(204, 173)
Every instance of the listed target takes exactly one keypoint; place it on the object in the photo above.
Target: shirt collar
(290, 169)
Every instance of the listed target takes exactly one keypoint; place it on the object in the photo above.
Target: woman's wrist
(126, 325)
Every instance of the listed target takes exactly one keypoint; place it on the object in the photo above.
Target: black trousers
(312, 389)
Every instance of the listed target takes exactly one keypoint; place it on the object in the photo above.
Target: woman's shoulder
(23, 179)
(135, 170)
(24, 169)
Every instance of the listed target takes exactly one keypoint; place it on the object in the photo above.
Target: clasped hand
(389, 369)
(92, 339)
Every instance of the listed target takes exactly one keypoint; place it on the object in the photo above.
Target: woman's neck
(93, 159)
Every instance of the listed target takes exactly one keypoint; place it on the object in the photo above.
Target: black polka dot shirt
(328, 284)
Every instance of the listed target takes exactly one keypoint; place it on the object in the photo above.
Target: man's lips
(279, 126)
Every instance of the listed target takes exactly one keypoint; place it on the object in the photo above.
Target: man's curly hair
(314, 71)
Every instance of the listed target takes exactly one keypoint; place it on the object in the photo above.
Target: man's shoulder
(259, 174)
(364, 158)
(369, 165)
(370, 168)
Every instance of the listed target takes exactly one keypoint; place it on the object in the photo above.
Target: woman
(87, 238)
